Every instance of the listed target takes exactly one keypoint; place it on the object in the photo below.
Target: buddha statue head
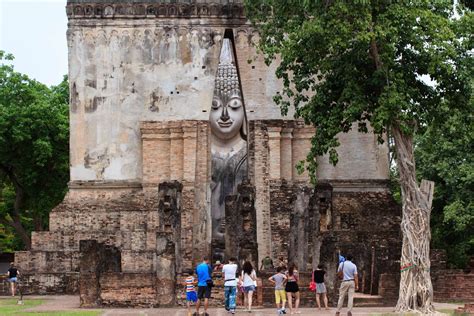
(227, 115)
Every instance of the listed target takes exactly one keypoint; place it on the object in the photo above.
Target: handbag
(312, 284)
(340, 274)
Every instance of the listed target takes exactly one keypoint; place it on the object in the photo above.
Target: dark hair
(320, 266)
(232, 259)
(205, 258)
(349, 257)
(247, 267)
(291, 269)
(188, 271)
(279, 269)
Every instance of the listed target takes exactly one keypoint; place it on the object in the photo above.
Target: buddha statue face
(227, 116)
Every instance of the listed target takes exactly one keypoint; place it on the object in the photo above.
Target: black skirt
(292, 287)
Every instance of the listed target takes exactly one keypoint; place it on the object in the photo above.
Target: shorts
(292, 287)
(280, 296)
(13, 280)
(191, 296)
(320, 288)
(250, 288)
(204, 292)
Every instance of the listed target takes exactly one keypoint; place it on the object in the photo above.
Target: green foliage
(345, 63)
(444, 154)
(34, 151)
(406, 65)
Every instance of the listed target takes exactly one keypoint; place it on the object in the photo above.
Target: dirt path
(69, 302)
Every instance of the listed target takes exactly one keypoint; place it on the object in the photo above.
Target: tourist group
(285, 281)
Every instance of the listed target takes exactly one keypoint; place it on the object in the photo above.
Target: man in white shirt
(349, 284)
(229, 272)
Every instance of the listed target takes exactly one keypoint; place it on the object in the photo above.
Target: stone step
(366, 300)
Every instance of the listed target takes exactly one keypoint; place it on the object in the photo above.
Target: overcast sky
(34, 31)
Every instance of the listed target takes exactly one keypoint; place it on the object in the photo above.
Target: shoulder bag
(312, 284)
(340, 274)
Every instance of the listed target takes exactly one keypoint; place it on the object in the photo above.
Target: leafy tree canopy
(444, 154)
(34, 149)
(393, 65)
(384, 62)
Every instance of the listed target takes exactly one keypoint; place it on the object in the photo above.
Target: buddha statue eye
(215, 104)
(235, 104)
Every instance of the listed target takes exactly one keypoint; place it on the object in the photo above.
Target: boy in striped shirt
(189, 283)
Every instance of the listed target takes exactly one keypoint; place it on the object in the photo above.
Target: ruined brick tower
(145, 78)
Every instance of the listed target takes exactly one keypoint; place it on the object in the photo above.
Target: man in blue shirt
(204, 272)
(349, 284)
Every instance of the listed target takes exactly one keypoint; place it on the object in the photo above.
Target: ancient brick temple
(177, 150)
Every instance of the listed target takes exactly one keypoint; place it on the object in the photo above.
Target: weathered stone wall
(123, 71)
(241, 228)
(180, 151)
(361, 157)
(367, 225)
(133, 63)
(364, 224)
(141, 81)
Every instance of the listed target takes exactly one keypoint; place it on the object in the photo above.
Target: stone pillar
(241, 225)
(89, 285)
(95, 260)
(320, 219)
(202, 215)
(286, 162)
(274, 151)
(176, 153)
(168, 240)
(300, 227)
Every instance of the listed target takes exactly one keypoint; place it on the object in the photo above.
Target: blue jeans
(230, 294)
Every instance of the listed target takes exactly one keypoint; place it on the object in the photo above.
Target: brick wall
(448, 284)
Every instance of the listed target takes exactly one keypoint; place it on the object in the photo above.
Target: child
(279, 280)
(189, 283)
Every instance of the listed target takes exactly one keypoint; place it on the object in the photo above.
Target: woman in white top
(248, 280)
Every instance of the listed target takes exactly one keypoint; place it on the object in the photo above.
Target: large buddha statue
(228, 142)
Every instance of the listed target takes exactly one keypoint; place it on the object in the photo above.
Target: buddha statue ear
(244, 128)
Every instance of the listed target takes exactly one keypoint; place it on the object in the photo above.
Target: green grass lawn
(10, 307)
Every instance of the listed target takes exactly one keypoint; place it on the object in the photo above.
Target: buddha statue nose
(225, 114)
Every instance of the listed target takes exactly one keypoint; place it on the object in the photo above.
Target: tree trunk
(20, 230)
(416, 290)
(15, 217)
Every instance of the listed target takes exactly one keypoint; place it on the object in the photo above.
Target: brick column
(189, 153)
(155, 162)
(300, 148)
(286, 163)
(162, 156)
(176, 153)
(260, 152)
(274, 150)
